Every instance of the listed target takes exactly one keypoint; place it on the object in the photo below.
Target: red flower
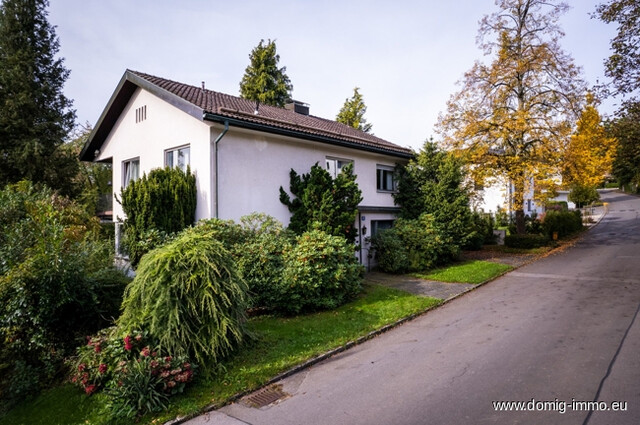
(81, 367)
(127, 343)
(145, 352)
(97, 348)
(102, 368)
(89, 389)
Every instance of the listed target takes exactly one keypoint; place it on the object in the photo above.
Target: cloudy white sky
(406, 56)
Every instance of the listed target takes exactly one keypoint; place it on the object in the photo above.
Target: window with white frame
(130, 171)
(385, 178)
(335, 165)
(178, 157)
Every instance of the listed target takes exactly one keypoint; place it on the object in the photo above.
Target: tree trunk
(520, 227)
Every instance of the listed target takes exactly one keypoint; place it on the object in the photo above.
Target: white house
(240, 152)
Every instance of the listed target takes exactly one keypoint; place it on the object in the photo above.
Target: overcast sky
(406, 56)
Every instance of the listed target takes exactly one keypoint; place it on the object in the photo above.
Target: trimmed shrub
(320, 272)
(525, 241)
(57, 284)
(164, 200)
(563, 222)
(189, 296)
(481, 231)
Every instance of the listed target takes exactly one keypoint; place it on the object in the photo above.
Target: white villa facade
(240, 152)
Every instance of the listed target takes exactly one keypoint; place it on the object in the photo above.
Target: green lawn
(468, 272)
(279, 344)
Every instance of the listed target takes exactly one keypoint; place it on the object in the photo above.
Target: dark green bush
(390, 252)
(164, 200)
(189, 296)
(525, 241)
(423, 246)
(481, 231)
(563, 222)
(532, 224)
(320, 272)
(57, 284)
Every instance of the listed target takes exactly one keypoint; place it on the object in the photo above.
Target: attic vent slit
(141, 113)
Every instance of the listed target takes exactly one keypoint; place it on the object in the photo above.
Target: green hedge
(562, 222)
(525, 241)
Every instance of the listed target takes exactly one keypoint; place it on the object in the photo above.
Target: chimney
(297, 107)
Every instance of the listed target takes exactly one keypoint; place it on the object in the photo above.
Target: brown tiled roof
(224, 105)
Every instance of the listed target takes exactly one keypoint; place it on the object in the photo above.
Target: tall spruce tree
(35, 116)
(352, 112)
(263, 81)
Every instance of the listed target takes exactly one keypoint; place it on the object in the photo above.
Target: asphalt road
(561, 329)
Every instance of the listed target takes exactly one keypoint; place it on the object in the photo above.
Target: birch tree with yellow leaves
(512, 118)
(590, 154)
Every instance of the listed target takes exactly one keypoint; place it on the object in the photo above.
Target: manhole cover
(265, 396)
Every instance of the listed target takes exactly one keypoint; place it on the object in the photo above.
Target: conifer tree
(35, 115)
(352, 112)
(319, 199)
(263, 81)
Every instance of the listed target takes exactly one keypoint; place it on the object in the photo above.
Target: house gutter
(215, 150)
(299, 134)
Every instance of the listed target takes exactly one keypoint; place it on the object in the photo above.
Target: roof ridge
(215, 102)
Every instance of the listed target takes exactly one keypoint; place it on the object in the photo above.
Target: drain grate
(265, 396)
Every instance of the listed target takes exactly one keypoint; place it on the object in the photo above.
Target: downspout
(215, 149)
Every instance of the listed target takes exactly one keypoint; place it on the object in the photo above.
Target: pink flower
(171, 384)
(89, 389)
(97, 348)
(138, 337)
(127, 343)
(165, 374)
(186, 365)
(167, 359)
(145, 352)
(102, 368)
(154, 364)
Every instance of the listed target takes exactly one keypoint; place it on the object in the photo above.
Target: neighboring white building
(240, 152)
(498, 194)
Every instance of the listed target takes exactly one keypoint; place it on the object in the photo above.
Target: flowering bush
(130, 371)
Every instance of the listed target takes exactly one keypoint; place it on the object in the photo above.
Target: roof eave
(118, 101)
(307, 136)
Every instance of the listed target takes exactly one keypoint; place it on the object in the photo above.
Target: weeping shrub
(189, 296)
(320, 272)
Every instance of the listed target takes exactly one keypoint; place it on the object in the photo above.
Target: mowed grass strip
(473, 272)
(278, 344)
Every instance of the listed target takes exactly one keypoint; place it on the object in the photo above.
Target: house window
(529, 205)
(335, 165)
(141, 113)
(385, 177)
(178, 157)
(380, 225)
(130, 171)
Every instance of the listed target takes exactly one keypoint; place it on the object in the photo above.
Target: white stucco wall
(165, 127)
(253, 166)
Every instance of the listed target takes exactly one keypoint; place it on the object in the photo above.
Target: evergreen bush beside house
(157, 206)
